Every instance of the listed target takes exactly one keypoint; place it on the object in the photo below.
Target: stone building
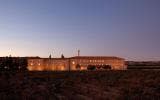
(76, 63)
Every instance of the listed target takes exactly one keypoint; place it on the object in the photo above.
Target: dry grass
(89, 85)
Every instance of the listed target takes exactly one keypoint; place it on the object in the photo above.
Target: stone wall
(59, 64)
(46, 64)
(114, 62)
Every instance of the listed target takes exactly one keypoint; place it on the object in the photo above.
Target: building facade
(76, 63)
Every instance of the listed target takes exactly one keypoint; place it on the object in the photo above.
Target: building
(76, 63)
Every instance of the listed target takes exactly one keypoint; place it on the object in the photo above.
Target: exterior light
(73, 62)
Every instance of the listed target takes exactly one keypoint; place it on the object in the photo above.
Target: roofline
(97, 57)
(80, 57)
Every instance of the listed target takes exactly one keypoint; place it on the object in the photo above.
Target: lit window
(73, 62)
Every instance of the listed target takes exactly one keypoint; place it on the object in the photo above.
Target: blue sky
(125, 28)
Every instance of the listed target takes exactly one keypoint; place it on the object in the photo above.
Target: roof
(83, 57)
(97, 57)
(50, 58)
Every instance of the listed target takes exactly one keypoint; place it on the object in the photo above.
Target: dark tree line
(94, 67)
(143, 63)
(13, 64)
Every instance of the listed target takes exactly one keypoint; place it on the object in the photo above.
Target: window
(73, 62)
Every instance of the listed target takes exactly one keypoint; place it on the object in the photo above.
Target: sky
(123, 28)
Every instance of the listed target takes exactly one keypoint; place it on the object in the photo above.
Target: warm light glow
(30, 68)
(73, 62)
(63, 64)
(62, 68)
(39, 68)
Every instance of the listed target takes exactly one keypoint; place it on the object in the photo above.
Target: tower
(78, 53)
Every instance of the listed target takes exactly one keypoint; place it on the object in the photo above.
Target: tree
(13, 64)
(106, 67)
(78, 67)
(91, 67)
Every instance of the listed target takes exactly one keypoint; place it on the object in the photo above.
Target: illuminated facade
(83, 62)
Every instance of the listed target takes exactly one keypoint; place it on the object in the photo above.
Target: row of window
(32, 61)
(93, 64)
(73, 62)
(91, 61)
(46, 64)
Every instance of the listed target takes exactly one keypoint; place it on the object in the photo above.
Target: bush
(13, 64)
(106, 67)
(91, 67)
(78, 67)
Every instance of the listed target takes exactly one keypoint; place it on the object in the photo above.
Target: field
(84, 85)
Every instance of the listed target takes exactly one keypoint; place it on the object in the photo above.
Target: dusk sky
(124, 28)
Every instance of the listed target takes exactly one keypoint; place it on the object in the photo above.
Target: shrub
(78, 67)
(106, 67)
(91, 67)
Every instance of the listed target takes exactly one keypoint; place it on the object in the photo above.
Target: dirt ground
(84, 85)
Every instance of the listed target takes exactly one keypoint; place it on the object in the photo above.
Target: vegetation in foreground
(87, 85)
